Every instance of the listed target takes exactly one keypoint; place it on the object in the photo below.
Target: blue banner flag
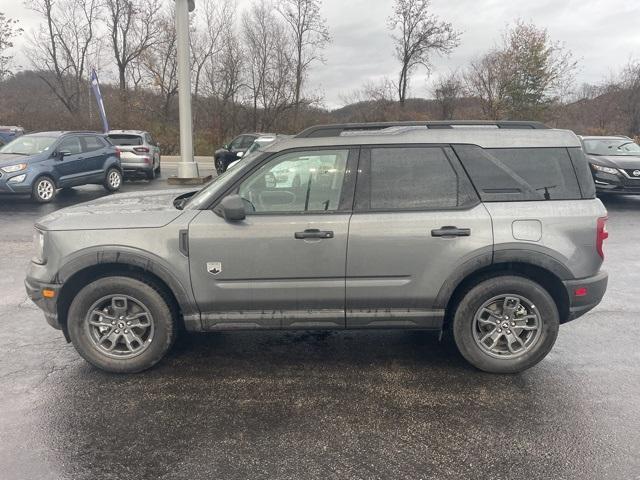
(95, 85)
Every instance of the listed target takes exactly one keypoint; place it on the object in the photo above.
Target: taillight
(141, 149)
(601, 235)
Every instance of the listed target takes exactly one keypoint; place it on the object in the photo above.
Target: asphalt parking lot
(373, 405)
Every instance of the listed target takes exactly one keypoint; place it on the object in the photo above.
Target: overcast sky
(602, 34)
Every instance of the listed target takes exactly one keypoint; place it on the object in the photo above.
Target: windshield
(613, 147)
(28, 145)
(125, 140)
(206, 194)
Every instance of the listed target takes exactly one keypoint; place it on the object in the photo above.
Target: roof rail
(337, 129)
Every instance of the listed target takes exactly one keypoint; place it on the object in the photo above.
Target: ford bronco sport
(488, 231)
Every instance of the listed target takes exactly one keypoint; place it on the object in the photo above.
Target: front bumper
(620, 183)
(48, 305)
(585, 294)
(6, 186)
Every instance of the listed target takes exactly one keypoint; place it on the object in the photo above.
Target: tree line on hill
(250, 72)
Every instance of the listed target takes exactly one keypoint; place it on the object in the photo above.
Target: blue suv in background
(41, 163)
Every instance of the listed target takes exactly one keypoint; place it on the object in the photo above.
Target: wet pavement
(362, 405)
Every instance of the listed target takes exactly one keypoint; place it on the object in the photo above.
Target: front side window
(247, 141)
(71, 145)
(297, 182)
(412, 178)
(236, 143)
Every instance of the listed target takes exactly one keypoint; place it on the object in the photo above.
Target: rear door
(417, 220)
(95, 151)
(284, 265)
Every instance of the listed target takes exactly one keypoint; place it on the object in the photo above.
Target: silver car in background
(139, 152)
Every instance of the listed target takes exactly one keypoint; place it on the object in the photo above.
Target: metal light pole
(187, 168)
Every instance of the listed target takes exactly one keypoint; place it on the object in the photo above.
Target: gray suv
(488, 232)
(139, 152)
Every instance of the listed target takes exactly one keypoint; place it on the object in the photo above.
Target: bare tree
(447, 92)
(161, 61)
(63, 47)
(208, 30)
(268, 67)
(133, 28)
(310, 35)
(421, 34)
(486, 79)
(8, 31)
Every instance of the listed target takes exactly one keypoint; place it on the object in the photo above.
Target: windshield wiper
(15, 153)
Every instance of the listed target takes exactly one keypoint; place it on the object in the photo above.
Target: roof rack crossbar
(337, 129)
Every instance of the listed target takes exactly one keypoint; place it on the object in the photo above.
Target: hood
(126, 210)
(12, 159)
(616, 161)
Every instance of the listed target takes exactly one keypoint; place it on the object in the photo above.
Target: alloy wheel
(45, 189)
(120, 326)
(114, 179)
(507, 326)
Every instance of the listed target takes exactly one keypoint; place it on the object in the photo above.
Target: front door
(417, 220)
(71, 168)
(284, 265)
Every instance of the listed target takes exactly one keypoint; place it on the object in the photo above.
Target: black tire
(150, 175)
(43, 189)
(220, 166)
(464, 324)
(158, 168)
(110, 183)
(162, 318)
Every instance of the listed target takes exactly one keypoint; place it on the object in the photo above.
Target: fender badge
(214, 268)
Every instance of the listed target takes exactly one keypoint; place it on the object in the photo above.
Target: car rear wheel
(121, 324)
(43, 190)
(506, 324)
(113, 180)
(151, 174)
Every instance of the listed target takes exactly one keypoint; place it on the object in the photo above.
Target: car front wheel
(505, 324)
(121, 324)
(43, 190)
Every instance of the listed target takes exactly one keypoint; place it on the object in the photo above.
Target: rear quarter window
(520, 174)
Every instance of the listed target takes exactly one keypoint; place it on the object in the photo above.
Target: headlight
(18, 178)
(600, 168)
(14, 168)
(38, 247)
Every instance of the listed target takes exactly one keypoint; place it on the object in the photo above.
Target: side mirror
(63, 153)
(231, 208)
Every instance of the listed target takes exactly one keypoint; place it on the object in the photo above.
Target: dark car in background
(614, 162)
(41, 163)
(8, 133)
(139, 152)
(234, 150)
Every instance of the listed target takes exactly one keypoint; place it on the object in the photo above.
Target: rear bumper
(47, 305)
(593, 289)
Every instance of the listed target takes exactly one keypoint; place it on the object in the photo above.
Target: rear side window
(125, 140)
(520, 174)
(92, 143)
(411, 178)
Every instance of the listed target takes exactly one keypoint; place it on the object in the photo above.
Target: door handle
(450, 232)
(313, 233)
